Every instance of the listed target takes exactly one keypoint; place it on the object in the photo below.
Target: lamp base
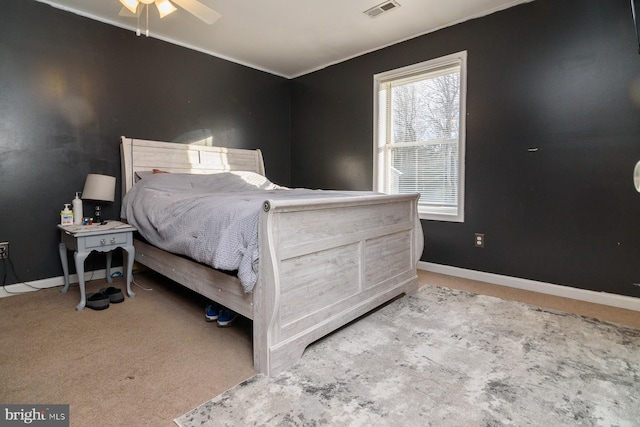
(97, 219)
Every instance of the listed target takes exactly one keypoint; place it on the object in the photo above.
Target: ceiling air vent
(381, 8)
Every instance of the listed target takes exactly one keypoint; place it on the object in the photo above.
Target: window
(419, 134)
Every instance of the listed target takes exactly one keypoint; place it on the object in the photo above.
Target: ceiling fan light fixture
(134, 8)
(165, 7)
(132, 5)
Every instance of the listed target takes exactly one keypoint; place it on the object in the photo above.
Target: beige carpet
(152, 358)
(142, 362)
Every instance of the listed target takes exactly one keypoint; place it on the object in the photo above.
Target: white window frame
(429, 212)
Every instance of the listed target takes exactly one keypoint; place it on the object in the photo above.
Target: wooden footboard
(324, 263)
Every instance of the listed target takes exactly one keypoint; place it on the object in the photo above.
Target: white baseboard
(52, 282)
(604, 298)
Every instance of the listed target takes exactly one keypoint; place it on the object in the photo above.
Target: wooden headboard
(139, 155)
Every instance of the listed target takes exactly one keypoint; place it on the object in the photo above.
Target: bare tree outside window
(425, 115)
(419, 140)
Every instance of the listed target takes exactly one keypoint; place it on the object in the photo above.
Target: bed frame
(323, 262)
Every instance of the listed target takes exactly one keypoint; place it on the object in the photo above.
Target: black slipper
(98, 301)
(115, 295)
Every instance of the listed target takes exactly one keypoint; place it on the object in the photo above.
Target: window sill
(444, 213)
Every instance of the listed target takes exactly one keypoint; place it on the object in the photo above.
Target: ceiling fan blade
(199, 10)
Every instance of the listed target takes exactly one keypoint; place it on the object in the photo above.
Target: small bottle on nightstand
(66, 216)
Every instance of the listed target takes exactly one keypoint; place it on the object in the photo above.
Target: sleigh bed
(323, 261)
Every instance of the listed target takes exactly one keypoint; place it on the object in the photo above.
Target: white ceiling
(290, 38)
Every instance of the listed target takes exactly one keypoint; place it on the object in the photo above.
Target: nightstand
(84, 239)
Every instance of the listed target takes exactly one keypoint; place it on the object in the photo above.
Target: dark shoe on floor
(115, 295)
(226, 318)
(98, 301)
(212, 312)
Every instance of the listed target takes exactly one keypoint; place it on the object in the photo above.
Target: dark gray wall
(551, 75)
(71, 86)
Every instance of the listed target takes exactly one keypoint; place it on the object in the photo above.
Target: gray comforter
(212, 219)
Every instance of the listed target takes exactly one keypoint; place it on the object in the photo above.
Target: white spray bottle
(77, 209)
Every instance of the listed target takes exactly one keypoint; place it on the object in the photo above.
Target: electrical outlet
(4, 250)
(479, 240)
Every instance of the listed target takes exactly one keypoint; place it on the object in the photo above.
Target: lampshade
(99, 187)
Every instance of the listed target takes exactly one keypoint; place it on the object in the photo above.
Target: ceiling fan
(133, 8)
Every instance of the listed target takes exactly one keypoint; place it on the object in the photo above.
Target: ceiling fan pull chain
(138, 27)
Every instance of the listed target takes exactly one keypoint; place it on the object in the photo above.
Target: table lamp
(99, 188)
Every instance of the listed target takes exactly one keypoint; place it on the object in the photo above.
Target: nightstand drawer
(105, 240)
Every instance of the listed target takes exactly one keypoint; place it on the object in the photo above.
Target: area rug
(445, 357)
